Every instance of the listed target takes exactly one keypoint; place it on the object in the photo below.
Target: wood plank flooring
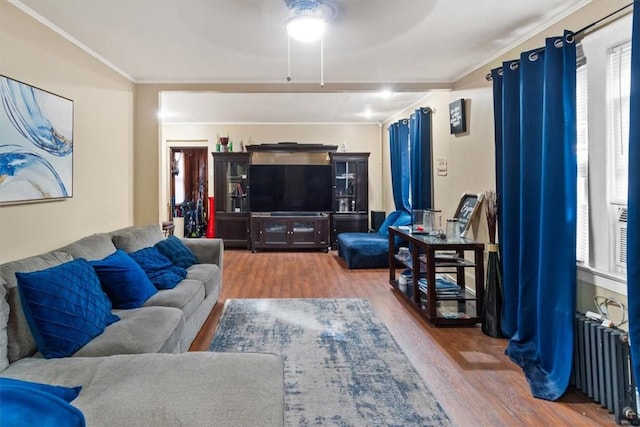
(466, 370)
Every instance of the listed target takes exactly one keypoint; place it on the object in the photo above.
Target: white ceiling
(408, 46)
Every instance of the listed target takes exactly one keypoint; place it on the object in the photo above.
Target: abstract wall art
(36, 144)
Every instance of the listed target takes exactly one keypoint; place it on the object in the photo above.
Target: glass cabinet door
(275, 231)
(346, 188)
(303, 231)
(236, 194)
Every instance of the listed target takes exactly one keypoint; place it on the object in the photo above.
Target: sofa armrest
(208, 251)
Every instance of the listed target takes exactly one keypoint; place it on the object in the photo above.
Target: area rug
(342, 365)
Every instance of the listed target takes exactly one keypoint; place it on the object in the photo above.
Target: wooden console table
(434, 256)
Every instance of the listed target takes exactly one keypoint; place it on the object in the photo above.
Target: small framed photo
(457, 117)
(468, 207)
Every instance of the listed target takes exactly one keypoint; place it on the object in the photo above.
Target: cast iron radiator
(602, 367)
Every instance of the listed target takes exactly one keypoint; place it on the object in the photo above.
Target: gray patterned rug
(342, 366)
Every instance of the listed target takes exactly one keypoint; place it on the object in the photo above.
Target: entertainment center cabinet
(303, 195)
(288, 231)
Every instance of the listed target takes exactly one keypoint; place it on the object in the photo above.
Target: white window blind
(618, 99)
(582, 151)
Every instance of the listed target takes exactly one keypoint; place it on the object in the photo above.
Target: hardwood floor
(466, 370)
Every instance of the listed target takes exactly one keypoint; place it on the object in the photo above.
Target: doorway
(189, 188)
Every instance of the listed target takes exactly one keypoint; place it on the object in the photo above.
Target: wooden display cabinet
(231, 177)
(350, 193)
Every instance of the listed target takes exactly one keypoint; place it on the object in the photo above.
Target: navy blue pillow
(66, 393)
(389, 220)
(179, 254)
(65, 307)
(124, 281)
(31, 404)
(403, 219)
(160, 270)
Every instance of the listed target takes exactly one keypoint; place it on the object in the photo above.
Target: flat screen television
(290, 188)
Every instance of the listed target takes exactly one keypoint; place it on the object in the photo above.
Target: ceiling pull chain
(322, 61)
(288, 58)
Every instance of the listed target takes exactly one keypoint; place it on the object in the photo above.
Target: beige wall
(359, 138)
(103, 139)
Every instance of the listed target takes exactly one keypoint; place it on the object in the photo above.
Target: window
(602, 98)
(618, 106)
(582, 120)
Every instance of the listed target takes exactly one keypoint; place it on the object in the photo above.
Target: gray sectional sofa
(137, 372)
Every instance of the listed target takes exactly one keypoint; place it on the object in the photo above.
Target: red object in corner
(211, 220)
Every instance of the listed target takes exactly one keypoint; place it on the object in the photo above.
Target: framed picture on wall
(36, 144)
(457, 117)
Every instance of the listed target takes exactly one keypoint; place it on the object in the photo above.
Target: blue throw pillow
(160, 270)
(389, 220)
(403, 219)
(65, 307)
(31, 404)
(179, 254)
(124, 281)
(66, 393)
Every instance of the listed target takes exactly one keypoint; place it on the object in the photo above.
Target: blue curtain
(539, 213)
(509, 189)
(496, 77)
(399, 152)
(420, 145)
(633, 214)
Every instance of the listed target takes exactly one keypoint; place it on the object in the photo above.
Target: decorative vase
(493, 297)
(223, 143)
(211, 220)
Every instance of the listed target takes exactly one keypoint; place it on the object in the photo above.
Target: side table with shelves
(439, 261)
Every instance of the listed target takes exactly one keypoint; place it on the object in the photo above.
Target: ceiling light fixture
(307, 24)
(306, 27)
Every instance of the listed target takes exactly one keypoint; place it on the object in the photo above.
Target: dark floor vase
(492, 308)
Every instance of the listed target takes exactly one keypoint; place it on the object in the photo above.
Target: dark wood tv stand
(290, 230)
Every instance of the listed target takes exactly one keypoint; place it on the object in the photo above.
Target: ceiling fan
(308, 22)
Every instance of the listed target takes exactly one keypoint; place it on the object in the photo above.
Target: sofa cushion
(32, 404)
(160, 270)
(20, 340)
(138, 238)
(208, 274)
(189, 389)
(4, 318)
(177, 252)
(124, 281)
(95, 246)
(187, 296)
(65, 307)
(140, 330)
